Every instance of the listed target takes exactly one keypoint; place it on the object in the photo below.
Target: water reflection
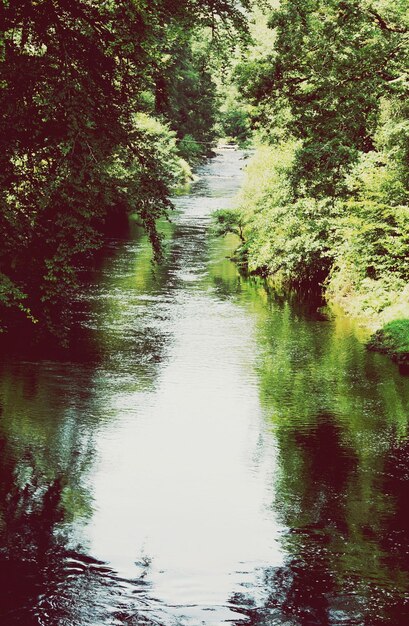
(205, 453)
(339, 417)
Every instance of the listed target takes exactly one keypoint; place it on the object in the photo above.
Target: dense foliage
(327, 194)
(98, 102)
(103, 103)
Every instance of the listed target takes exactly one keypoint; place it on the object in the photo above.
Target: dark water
(207, 454)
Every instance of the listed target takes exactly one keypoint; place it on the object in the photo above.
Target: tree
(72, 155)
(331, 62)
(327, 204)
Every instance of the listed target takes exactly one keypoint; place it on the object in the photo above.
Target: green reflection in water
(338, 417)
(45, 446)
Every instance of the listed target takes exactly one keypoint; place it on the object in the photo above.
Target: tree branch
(384, 25)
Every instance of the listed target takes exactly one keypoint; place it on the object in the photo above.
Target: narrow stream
(209, 453)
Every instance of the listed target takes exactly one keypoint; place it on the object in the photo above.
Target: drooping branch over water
(99, 103)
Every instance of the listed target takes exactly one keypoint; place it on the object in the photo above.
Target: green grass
(393, 340)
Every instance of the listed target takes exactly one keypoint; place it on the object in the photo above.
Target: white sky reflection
(182, 481)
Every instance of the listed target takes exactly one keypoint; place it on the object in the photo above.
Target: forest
(107, 106)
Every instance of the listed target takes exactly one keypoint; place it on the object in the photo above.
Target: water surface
(206, 453)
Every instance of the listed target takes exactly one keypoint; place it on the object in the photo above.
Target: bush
(393, 340)
(287, 237)
(190, 150)
(370, 273)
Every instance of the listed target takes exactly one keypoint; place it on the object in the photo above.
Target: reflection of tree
(315, 471)
(46, 577)
(29, 548)
(117, 320)
(394, 540)
(51, 412)
(44, 458)
(43, 581)
(339, 417)
(47, 446)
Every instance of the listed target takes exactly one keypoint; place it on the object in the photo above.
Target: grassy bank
(393, 340)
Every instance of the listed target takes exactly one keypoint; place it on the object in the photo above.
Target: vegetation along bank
(106, 106)
(326, 197)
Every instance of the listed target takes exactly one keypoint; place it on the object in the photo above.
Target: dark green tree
(331, 63)
(74, 156)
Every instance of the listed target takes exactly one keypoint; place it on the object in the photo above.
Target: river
(207, 452)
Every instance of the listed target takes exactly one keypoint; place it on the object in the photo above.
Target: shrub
(392, 339)
(189, 149)
(289, 237)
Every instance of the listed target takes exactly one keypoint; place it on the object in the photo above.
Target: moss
(393, 340)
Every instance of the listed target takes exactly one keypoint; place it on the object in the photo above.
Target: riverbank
(387, 326)
(352, 248)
